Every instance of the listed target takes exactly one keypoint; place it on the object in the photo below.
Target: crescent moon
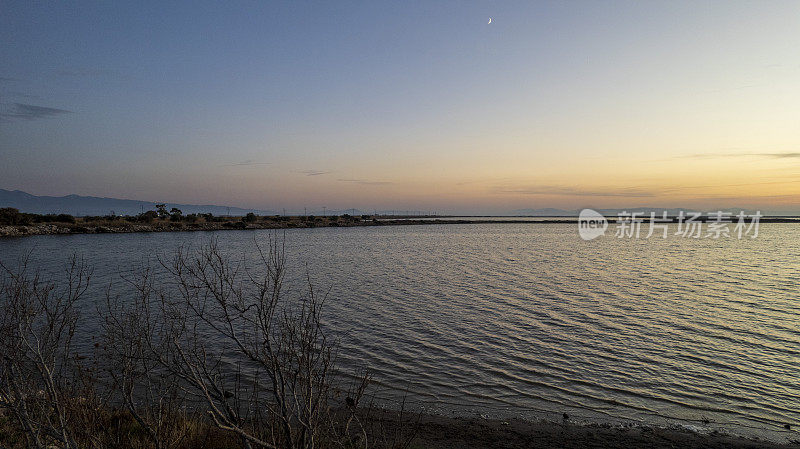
(490, 20)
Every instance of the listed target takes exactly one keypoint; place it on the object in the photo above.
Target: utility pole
(305, 212)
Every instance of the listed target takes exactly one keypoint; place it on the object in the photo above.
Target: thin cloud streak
(365, 182)
(785, 155)
(791, 180)
(315, 172)
(247, 163)
(569, 191)
(22, 111)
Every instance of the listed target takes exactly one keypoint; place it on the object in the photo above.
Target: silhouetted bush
(11, 216)
(23, 218)
(148, 217)
(65, 218)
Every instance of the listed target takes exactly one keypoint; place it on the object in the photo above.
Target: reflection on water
(529, 320)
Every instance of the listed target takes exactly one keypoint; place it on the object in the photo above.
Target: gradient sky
(405, 105)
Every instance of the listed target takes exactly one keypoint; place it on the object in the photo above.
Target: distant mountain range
(91, 205)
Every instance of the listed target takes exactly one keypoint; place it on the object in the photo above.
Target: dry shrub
(199, 351)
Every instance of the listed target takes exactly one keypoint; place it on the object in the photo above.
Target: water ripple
(527, 319)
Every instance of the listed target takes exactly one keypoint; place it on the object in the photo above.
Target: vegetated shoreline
(228, 225)
(119, 226)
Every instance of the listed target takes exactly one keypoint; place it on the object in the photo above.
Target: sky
(405, 105)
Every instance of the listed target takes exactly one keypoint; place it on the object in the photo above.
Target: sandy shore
(438, 432)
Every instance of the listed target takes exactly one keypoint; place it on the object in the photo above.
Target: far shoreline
(120, 225)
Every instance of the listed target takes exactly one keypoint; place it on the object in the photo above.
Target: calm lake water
(528, 320)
